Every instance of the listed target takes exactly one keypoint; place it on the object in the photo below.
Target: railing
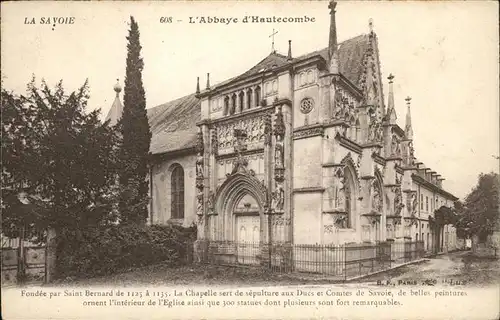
(342, 261)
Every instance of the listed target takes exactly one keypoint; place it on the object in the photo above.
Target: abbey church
(298, 149)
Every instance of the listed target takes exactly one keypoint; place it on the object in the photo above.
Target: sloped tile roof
(351, 53)
(173, 124)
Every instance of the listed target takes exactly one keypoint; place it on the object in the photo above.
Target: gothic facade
(298, 150)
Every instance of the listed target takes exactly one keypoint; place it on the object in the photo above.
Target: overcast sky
(443, 54)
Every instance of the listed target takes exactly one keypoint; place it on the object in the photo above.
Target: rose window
(306, 105)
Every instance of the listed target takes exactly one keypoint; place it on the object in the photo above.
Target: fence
(23, 264)
(342, 262)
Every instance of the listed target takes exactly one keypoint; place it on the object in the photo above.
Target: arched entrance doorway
(240, 200)
(247, 225)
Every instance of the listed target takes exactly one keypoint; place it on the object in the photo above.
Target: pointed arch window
(347, 195)
(348, 203)
(177, 193)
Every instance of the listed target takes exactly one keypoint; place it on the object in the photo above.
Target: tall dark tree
(58, 162)
(479, 214)
(136, 136)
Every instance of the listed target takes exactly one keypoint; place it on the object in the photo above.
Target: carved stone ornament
(341, 221)
(278, 155)
(343, 104)
(199, 202)
(199, 142)
(376, 197)
(412, 221)
(267, 129)
(412, 154)
(200, 220)
(375, 130)
(214, 142)
(398, 179)
(278, 221)
(254, 127)
(329, 228)
(199, 171)
(311, 132)
(398, 200)
(373, 218)
(211, 202)
(306, 105)
(395, 220)
(395, 149)
(412, 203)
(279, 126)
(278, 199)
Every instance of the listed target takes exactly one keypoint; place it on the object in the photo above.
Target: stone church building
(300, 150)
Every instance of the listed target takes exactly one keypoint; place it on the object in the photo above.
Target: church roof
(173, 124)
(350, 52)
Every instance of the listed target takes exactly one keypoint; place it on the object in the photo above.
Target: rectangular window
(426, 203)
(421, 202)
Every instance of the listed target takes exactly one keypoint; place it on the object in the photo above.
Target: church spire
(289, 57)
(408, 128)
(332, 40)
(391, 111)
(115, 113)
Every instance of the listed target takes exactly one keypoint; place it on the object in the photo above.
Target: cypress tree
(136, 136)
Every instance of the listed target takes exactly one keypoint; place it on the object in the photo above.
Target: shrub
(101, 251)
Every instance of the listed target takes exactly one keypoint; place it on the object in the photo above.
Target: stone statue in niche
(412, 154)
(378, 132)
(372, 130)
(199, 202)
(376, 198)
(414, 206)
(214, 142)
(398, 201)
(267, 129)
(278, 198)
(278, 156)
(398, 179)
(199, 167)
(394, 145)
(210, 202)
(340, 190)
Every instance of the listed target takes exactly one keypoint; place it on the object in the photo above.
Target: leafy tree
(479, 214)
(136, 137)
(58, 162)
